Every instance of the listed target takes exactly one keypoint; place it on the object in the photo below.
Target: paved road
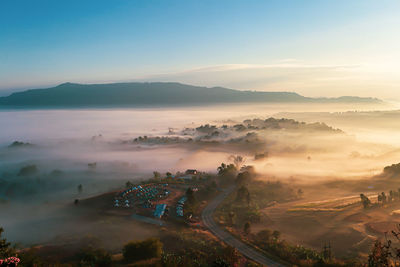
(207, 217)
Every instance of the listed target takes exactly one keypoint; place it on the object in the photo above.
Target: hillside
(139, 94)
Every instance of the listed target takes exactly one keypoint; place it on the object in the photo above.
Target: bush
(142, 250)
(30, 258)
(95, 257)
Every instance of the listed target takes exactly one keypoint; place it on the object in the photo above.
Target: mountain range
(152, 94)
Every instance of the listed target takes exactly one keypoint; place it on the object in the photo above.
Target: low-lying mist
(101, 150)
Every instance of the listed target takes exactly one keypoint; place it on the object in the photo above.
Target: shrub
(142, 250)
(95, 257)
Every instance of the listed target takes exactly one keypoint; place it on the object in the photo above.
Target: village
(159, 200)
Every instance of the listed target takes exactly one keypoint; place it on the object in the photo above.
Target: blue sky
(313, 47)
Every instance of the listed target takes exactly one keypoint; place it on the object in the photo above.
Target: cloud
(284, 75)
(289, 74)
(286, 64)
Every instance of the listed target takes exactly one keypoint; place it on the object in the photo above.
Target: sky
(315, 48)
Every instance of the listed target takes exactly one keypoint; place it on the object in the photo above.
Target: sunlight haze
(315, 48)
(200, 133)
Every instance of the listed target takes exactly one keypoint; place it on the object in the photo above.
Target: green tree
(227, 173)
(94, 257)
(191, 201)
(5, 247)
(384, 198)
(28, 170)
(30, 258)
(169, 175)
(156, 175)
(142, 250)
(253, 215)
(365, 201)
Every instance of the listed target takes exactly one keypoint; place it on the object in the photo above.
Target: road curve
(249, 252)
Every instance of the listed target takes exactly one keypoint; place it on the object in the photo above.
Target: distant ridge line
(154, 93)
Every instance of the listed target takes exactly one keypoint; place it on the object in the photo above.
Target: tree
(220, 263)
(5, 247)
(169, 175)
(385, 253)
(365, 201)
(384, 199)
(380, 255)
(246, 228)
(28, 170)
(264, 235)
(242, 194)
(231, 255)
(237, 160)
(30, 257)
(248, 168)
(248, 199)
(94, 257)
(191, 199)
(231, 216)
(80, 188)
(276, 234)
(142, 250)
(253, 215)
(243, 178)
(156, 175)
(128, 184)
(227, 172)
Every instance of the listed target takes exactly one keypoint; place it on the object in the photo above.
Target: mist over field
(199, 133)
(61, 144)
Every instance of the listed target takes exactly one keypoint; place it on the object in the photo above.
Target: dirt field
(340, 221)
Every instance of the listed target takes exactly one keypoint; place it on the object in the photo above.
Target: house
(182, 200)
(191, 172)
(179, 211)
(160, 209)
(179, 206)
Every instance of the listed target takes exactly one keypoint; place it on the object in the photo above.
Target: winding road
(249, 252)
